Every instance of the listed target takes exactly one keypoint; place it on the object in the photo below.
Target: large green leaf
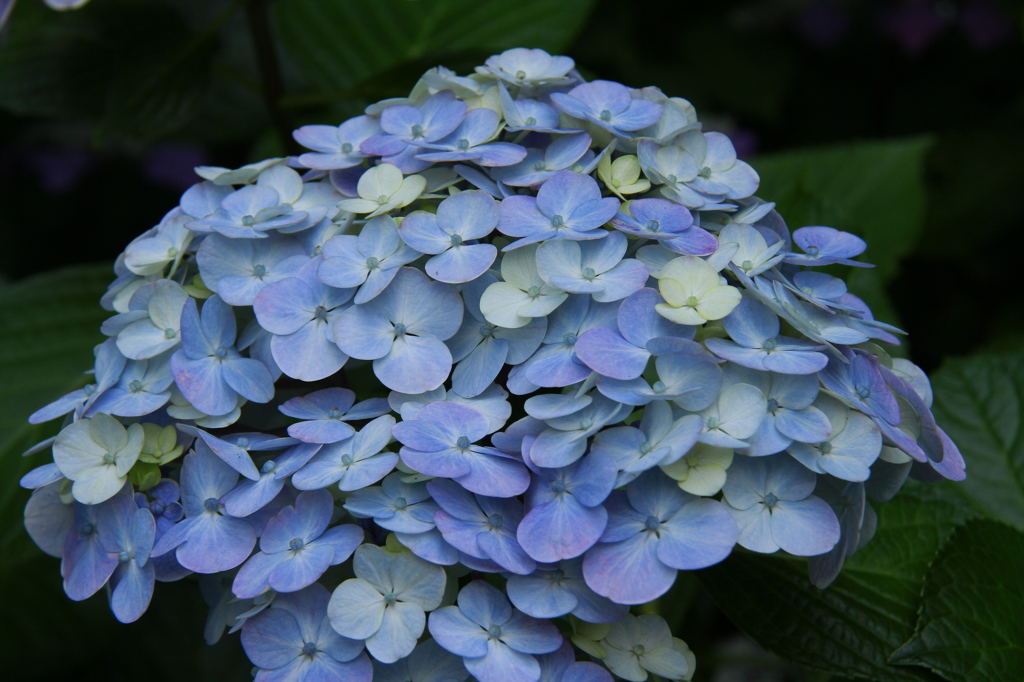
(979, 401)
(873, 189)
(851, 628)
(48, 327)
(338, 43)
(972, 621)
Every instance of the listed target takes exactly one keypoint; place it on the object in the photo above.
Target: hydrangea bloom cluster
(594, 359)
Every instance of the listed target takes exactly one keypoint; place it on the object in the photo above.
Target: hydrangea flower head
(514, 351)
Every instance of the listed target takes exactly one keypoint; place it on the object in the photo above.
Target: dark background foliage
(900, 120)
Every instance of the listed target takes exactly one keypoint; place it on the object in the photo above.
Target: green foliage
(338, 43)
(980, 402)
(48, 327)
(971, 626)
(873, 189)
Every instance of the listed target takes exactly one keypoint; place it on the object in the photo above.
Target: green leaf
(338, 43)
(979, 401)
(48, 327)
(972, 624)
(873, 189)
(850, 628)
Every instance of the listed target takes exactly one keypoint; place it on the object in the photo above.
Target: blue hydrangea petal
(809, 425)
(502, 548)
(530, 636)
(628, 572)
(539, 596)
(804, 528)
(253, 577)
(699, 535)
(308, 354)
(475, 372)
(457, 633)
(363, 332)
(430, 546)
(561, 529)
(606, 351)
(414, 365)
(249, 496)
(461, 263)
(132, 589)
(216, 543)
(503, 664)
(396, 638)
(301, 568)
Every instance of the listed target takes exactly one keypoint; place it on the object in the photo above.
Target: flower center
(691, 302)
(533, 292)
(864, 392)
(712, 422)
(558, 486)
(606, 115)
(372, 262)
(108, 458)
(382, 199)
(456, 240)
(556, 220)
(221, 351)
(88, 528)
(589, 273)
(771, 500)
(346, 460)
(462, 144)
(269, 466)
(211, 504)
(333, 413)
(659, 387)
(320, 312)
(769, 344)
(539, 165)
(172, 252)
(135, 386)
(400, 503)
(773, 404)
(495, 520)
(389, 598)
(494, 631)
(399, 329)
(462, 442)
(91, 388)
(705, 172)
(486, 329)
(672, 179)
(531, 121)
(812, 250)
(520, 75)
(652, 523)
(653, 225)
(639, 650)
(124, 557)
(346, 147)
(747, 265)
(259, 271)
(586, 423)
(309, 649)
(248, 221)
(570, 339)
(645, 447)
(826, 448)
(417, 129)
(296, 544)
